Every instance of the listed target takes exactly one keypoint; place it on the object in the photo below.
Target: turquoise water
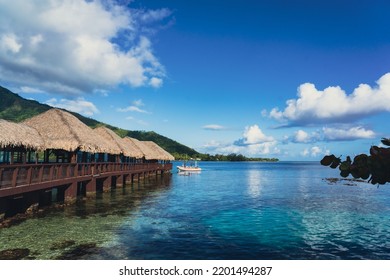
(284, 210)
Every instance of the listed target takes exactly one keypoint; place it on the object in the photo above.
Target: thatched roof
(162, 154)
(126, 147)
(19, 135)
(149, 149)
(146, 152)
(62, 130)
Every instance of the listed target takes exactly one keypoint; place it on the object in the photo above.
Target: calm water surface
(244, 210)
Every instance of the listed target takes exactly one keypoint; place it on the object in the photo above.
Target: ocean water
(243, 210)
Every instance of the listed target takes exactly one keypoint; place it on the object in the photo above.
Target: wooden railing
(27, 174)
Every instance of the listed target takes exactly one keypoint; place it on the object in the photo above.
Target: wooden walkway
(69, 179)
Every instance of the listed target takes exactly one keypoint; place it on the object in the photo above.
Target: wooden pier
(34, 184)
(55, 157)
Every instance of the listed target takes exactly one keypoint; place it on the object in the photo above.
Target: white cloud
(9, 43)
(305, 152)
(212, 144)
(79, 105)
(334, 105)
(301, 136)
(213, 127)
(72, 47)
(155, 15)
(314, 151)
(134, 108)
(342, 133)
(353, 133)
(36, 40)
(254, 143)
(253, 135)
(26, 89)
(156, 82)
(138, 103)
(263, 149)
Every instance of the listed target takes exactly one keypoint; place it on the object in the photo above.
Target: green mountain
(16, 108)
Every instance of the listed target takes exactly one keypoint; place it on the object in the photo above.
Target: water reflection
(84, 230)
(254, 182)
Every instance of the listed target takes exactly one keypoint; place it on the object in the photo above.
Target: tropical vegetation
(374, 167)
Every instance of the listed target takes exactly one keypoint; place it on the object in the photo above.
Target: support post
(71, 192)
(91, 186)
(120, 182)
(3, 208)
(107, 183)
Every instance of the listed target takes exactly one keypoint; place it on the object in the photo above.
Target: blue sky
(287, 79)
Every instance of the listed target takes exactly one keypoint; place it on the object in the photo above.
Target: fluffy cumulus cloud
(353, 133)
(263, 149)
(78, 105)
(314, 151)
(156, 82)
(253, 143)
(327, 134)
(302, 136)
(78, 46)
(333, 104)
(253, 135)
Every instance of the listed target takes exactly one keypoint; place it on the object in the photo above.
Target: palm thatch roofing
(62, 130)
(19, 135)
(146, 151)
(132, 143)
(126, 147)
(162, 154)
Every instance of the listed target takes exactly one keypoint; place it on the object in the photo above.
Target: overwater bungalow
(148, 154)
(69, 139)
(19, 143)
(129, 152)
(162, 155)
(134, 144)
(55, 157)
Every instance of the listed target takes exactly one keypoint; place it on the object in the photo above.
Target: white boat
(189, 167)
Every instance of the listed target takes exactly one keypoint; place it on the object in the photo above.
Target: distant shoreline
(248, 160)
(218, 157)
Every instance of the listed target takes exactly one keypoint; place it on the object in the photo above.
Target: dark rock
(14, 254)
(15, 220)
(32, 209)
(79, 252)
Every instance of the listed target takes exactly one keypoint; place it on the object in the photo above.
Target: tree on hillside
(375, 167)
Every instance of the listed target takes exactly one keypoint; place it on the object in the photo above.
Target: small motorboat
(189, 167)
